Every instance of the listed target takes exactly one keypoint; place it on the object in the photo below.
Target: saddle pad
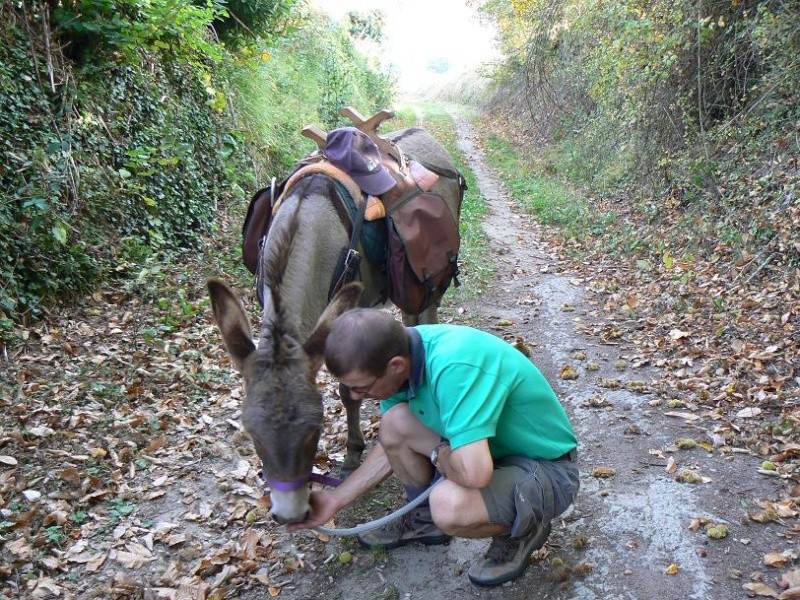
(373, 232)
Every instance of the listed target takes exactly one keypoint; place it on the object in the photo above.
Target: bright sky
(417, 32)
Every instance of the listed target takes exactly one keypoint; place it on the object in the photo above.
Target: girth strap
(349, 259)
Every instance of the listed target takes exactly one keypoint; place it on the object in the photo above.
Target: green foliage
(121, 151)
(142, 162)
(168, 171)
(366, 25)
(88, 28)
(119, 508)
(549, 199)
(111, 164)
(632, 91)
(37, 244)
(350, 81)
(245, 19)
(303, 80)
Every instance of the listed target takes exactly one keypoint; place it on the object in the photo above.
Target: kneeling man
(465, 404)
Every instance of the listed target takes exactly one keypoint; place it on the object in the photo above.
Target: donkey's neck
(311, 262)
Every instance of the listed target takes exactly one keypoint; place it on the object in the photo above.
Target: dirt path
(629, 526)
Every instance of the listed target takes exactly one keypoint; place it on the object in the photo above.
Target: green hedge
(123, 146)
(114, 164)
(304, 79)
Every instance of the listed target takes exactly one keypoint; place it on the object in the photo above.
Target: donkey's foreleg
(429, 316)
(355, 437)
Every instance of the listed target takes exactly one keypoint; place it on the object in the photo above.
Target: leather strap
(349, 260)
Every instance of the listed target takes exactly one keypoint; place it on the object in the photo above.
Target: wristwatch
(435, 452)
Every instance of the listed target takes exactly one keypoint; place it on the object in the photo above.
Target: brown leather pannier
(423, 242)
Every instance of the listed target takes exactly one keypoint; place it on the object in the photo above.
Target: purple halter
(296, 484)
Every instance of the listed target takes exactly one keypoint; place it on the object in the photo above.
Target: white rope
(359, 529)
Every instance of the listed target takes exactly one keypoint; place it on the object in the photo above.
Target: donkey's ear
(346, 299)
(232, 322)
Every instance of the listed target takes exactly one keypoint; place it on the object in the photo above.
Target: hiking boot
(507, 557)
(415, 526)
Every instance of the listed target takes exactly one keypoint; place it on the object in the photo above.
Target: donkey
(282, 410)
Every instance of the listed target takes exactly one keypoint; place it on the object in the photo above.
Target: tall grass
(305, 80)
(549, 199)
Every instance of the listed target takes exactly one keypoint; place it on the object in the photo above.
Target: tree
(366, 25)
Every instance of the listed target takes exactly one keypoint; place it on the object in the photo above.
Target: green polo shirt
(468, 385)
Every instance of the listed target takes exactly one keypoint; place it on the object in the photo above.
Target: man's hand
(326, 503)
(323, 506)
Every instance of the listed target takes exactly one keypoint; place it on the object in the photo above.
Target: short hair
(364, 339)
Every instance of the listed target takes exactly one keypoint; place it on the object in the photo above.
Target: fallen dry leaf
(603, 472)
(131, 560)
(749, 413)
(671, 465)
(790, 579)
(154, 431)
(775, 559)
(46, 587)
(569, 372)
(689, 476)
(761, 589)
(676, 335)
(20, 547)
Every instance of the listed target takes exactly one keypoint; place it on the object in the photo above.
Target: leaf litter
(717, 315)
(123, 468)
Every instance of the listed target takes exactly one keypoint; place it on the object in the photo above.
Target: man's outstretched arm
(326, 503)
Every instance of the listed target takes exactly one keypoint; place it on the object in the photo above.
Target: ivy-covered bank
(125, 125)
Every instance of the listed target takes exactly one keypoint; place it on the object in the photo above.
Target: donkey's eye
(291, 415)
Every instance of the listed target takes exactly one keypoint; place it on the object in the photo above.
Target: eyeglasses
(363, 390)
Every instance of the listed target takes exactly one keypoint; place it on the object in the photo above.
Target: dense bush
(304, 79)
(649, 91)
(681, 119)
(245, 19)
(109, 159)
(88, 29)
(40, 252)
(125, 125)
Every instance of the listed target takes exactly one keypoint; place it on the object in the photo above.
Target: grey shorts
(525, 492)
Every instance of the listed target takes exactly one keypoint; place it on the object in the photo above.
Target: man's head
(369, 352)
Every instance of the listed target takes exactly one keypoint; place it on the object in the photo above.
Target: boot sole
(431, 540)
(500, 579)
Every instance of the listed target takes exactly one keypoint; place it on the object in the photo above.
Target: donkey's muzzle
(280, 520)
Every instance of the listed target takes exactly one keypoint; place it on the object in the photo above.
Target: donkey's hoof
(347, 469)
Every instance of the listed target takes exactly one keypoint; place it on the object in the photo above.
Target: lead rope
(363, 528)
